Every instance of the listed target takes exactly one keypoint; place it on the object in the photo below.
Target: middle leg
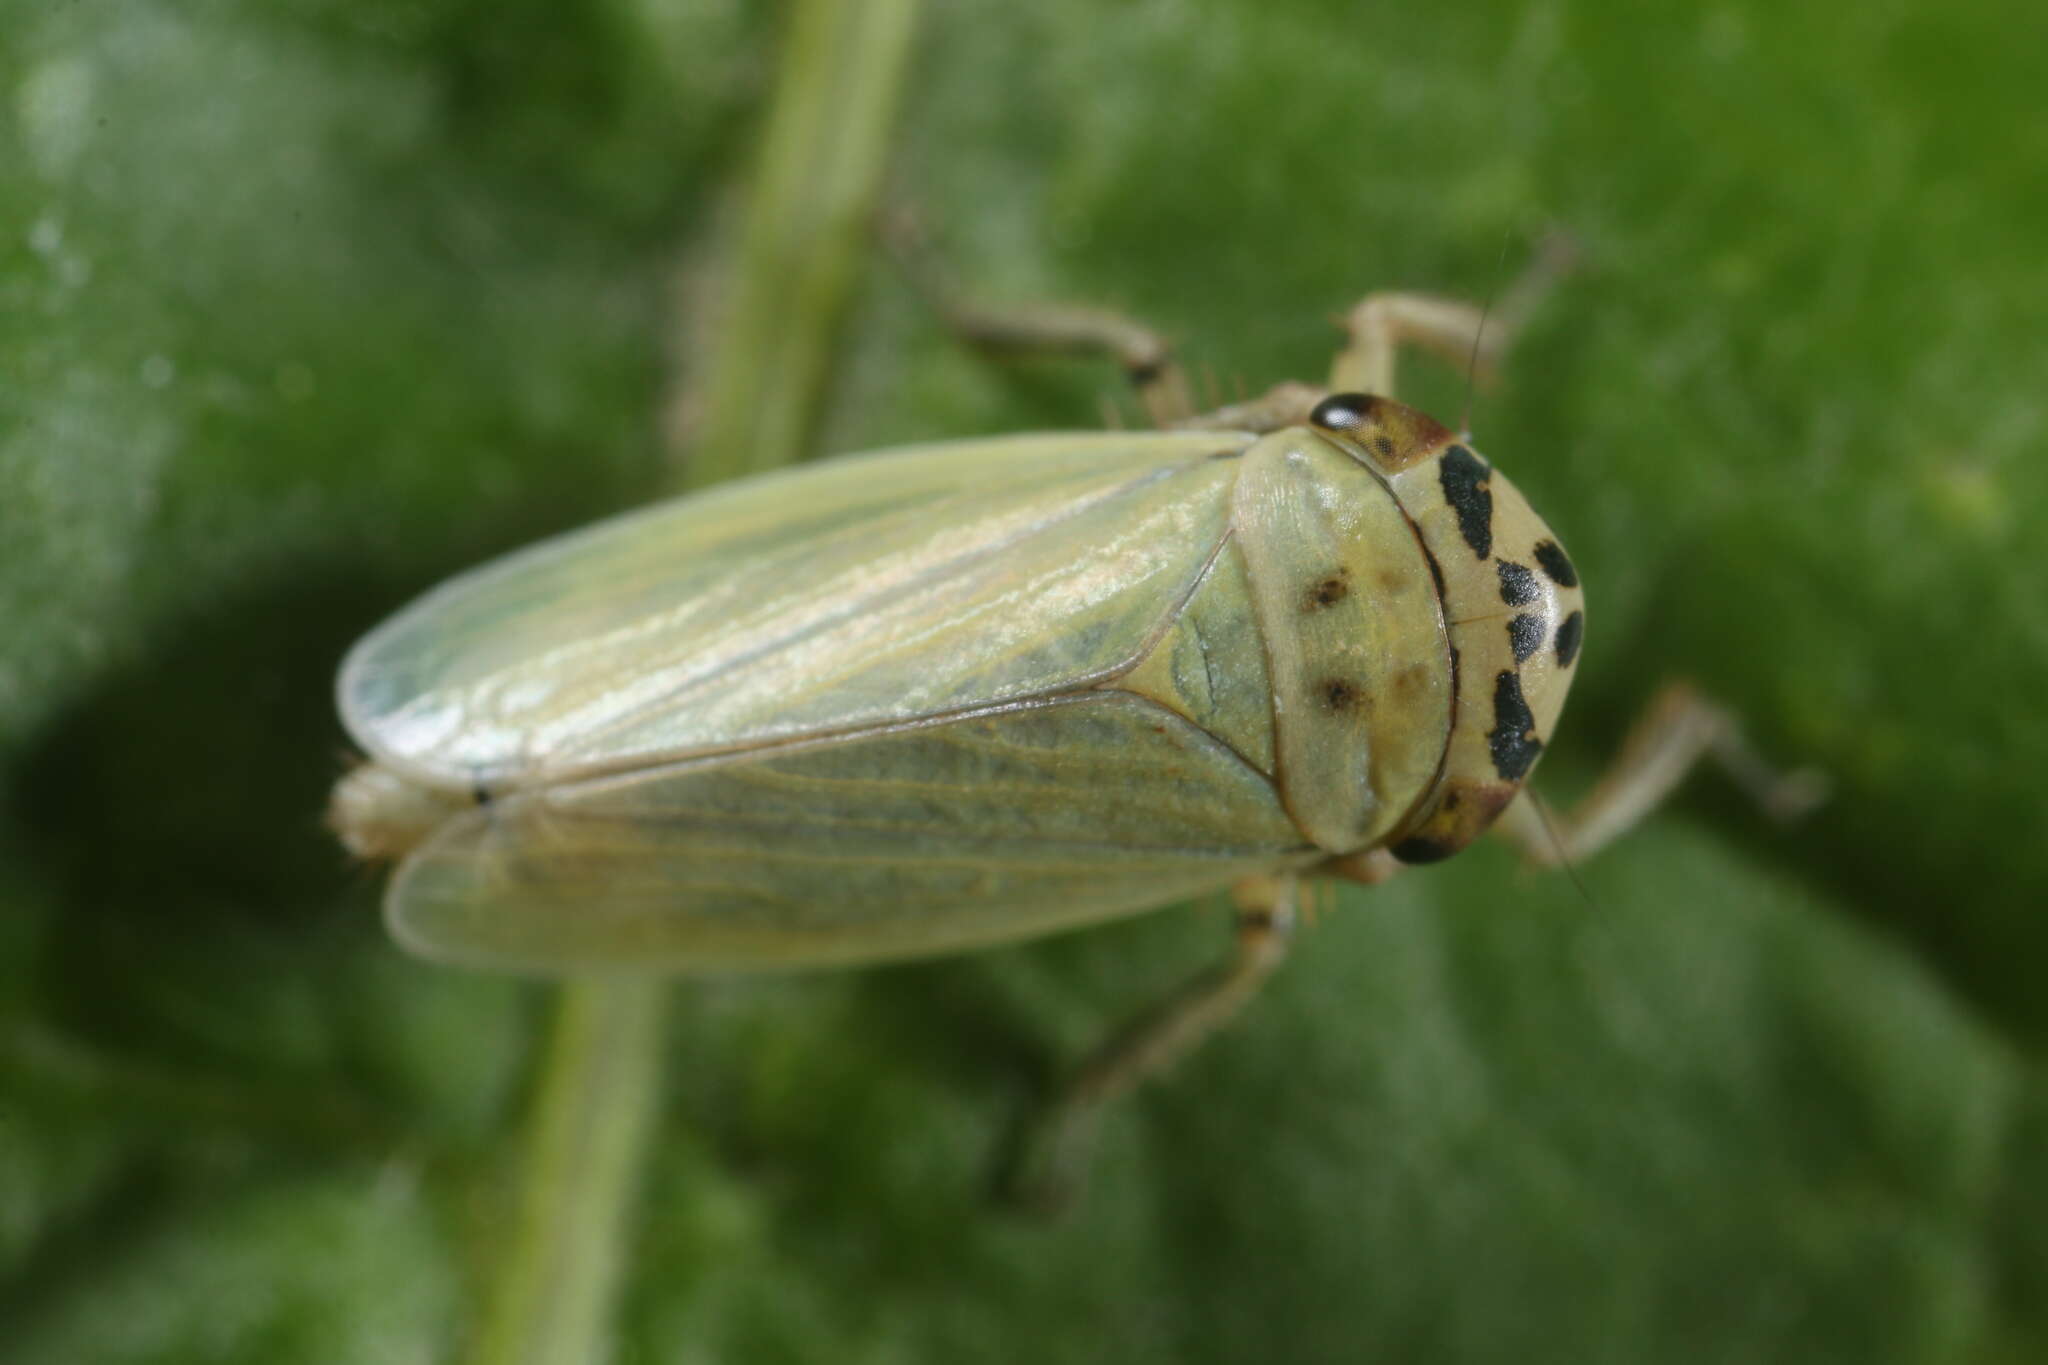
(1146, 356)
(1679, 729)
(1050, 1159)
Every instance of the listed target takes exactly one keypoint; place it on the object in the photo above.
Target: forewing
(859, 592)
(898, 844)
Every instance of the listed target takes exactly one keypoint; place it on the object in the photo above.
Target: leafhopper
(936, 698)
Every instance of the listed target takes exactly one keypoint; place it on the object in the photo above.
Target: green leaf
(305, 305)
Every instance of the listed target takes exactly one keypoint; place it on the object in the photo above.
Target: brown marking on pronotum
(1410, 683)
(1327, 591)
(1339, 694)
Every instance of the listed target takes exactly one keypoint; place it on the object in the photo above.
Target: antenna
(1564, 861)
(1479, 334)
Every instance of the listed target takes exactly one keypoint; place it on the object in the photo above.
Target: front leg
(1462, 333)
(1677, 730)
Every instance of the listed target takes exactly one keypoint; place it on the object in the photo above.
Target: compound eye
(1343, 411)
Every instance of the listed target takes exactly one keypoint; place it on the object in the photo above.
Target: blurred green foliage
(304, 305)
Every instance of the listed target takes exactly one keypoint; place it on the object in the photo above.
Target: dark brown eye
(1342, 411)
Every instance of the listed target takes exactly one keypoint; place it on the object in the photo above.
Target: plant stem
(552, 1299)
(551, 1302)
(805, 234)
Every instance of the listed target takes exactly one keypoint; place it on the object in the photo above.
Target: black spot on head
(1518, 586)
(1420, 849)
(1342, 411)
(1327, 591)
(1525, 634)
(1556, 565)
(479, 793)
(1568, 635)
(1146, 371)
(1339, 695)
(1385, 446)
(1464, 477)
(1512, 740)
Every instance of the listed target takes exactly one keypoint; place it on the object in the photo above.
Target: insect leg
(1050, 1161)
(1369, 868)
(1462, 333)
(1283, 405)
(1145, 355)
(1678, 729)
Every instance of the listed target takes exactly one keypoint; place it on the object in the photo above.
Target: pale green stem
(553, 1296)
(552, 1299)
(805, 234)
